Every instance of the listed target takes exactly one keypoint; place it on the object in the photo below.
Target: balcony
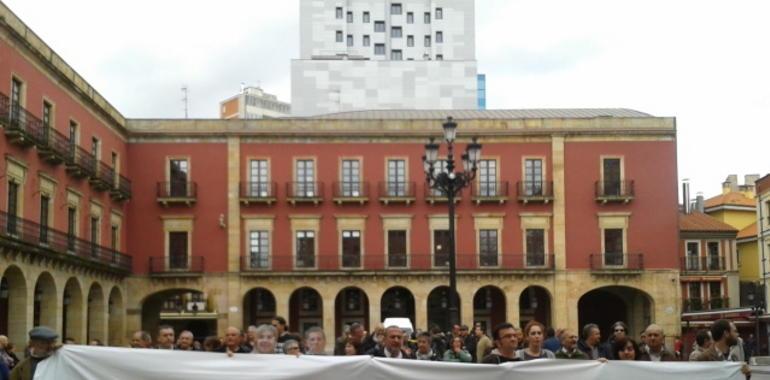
(696, 304)
(396, 192)
(21, 127)
(103, 178)
(80, 164)
(122, 189)
(255, 263)
(43, 241)
(614, 191)
(489, 192)
(304, 192)
(617, 263)
(257, 193)
(177, 192)
(433, 196)
(53, 147)
(702, 264)
(534, 191)
(350, 192)
(176, 266)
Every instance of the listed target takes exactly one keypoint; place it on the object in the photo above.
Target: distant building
(376, 54)
(482, 91)
(253, 103)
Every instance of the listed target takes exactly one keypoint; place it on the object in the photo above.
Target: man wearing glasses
(619, 331)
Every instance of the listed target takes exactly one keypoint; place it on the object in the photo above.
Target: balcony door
(177, 250)
(258, 175)
(441, 240)
(611, 184)
(178, 177)
(13, 207)
(305, 176)
(693, 262)
(533, 177)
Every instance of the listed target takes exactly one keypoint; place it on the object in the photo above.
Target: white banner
(102, 363)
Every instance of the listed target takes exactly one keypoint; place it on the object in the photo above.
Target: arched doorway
(535, 304)
(183, 309)
(489, 307)
(44, 309)
(305, 310)
(258, 307)
(72, 311)
(607, 305)
(96, 319)
(13, 301)
(438, 308)
(115, 317)
(397, 302)
(351, 306)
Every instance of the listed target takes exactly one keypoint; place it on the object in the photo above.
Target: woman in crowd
(456, 353)
(350, 349)
(625, 349)
(534, 333)
(267, 337)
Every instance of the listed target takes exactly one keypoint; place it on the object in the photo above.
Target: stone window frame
(397, 222)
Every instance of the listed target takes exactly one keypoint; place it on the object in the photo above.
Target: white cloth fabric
(101, 363)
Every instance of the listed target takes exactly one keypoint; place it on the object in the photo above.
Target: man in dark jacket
(393, 347)
(725, 335)
(656, 351)
(506, 342)
(425, 348)
(592, 338)
(619, 330)
(41, 345)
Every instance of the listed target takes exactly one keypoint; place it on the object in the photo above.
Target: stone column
(465, 292)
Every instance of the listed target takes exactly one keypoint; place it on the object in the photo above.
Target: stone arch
(44, 301)
(535, 304)
(73, 315)
(305, 310)
(116, 309)
(182, 309)
(258, 307)
(351, 305)
(96, 318)
(438, 308)
(397, 302)
(13, 305)
(489, 307)
(605, 305)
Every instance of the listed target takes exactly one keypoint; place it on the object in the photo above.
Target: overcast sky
(705, 62)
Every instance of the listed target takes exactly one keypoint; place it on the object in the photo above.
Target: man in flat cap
(42, 343)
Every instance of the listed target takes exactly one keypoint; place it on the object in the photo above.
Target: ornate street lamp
(441, 176)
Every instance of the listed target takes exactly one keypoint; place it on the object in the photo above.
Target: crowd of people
(506, 343)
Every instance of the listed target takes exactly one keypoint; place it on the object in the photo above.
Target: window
(693, 261)
(396, 32)
(379, 26)
(351, 178)
(73, 133)
(397, 248)
(367, 40)
(305, 172)
(351, 248)
(305, 257)
(426, 41)
(395, 9)
(72, 213)
(177, 250)
(439, 57)
(533, 177)
(94, 236)
(439, 13)
(95, 148)
(613, 246)
(535, 247)
(115, 237)
(410, 41)
(178, 176)
(259, 249)
(338, 36)
(439, 37)
(410, 17)
(715, 290)
(259, 185)
(350, 17)
(114, 161)
(47, 115)
(611, 180)
(365, 18)
(441, 248)
(397, 186)
(488, 178)
(379, 49)
(396, 55)
(13, 207)
(45, 204)
(338, 13)
(426, 18)
(713, 258)
(694, 293)
(350, 40)
(16, 104)
(488, 247)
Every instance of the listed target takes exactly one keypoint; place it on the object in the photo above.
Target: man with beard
(41, 345)
(725, 335)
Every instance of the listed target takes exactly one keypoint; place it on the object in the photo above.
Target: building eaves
(697, 222)
(555, 113)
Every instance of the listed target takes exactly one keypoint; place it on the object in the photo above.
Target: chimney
(699, 202)
(730, 184)
(686, 196)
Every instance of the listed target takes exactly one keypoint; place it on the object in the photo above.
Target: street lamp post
(757, 308)
(441, 175)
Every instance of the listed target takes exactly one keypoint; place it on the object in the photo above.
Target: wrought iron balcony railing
(298, 192)
(350, 192)
(617, 262)
(179, 265)
(534, 191)
(614, 191)
(396, 192)
(703, 264)
(257, 192)
(496, 192)
(175, 192)
(21, 127)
